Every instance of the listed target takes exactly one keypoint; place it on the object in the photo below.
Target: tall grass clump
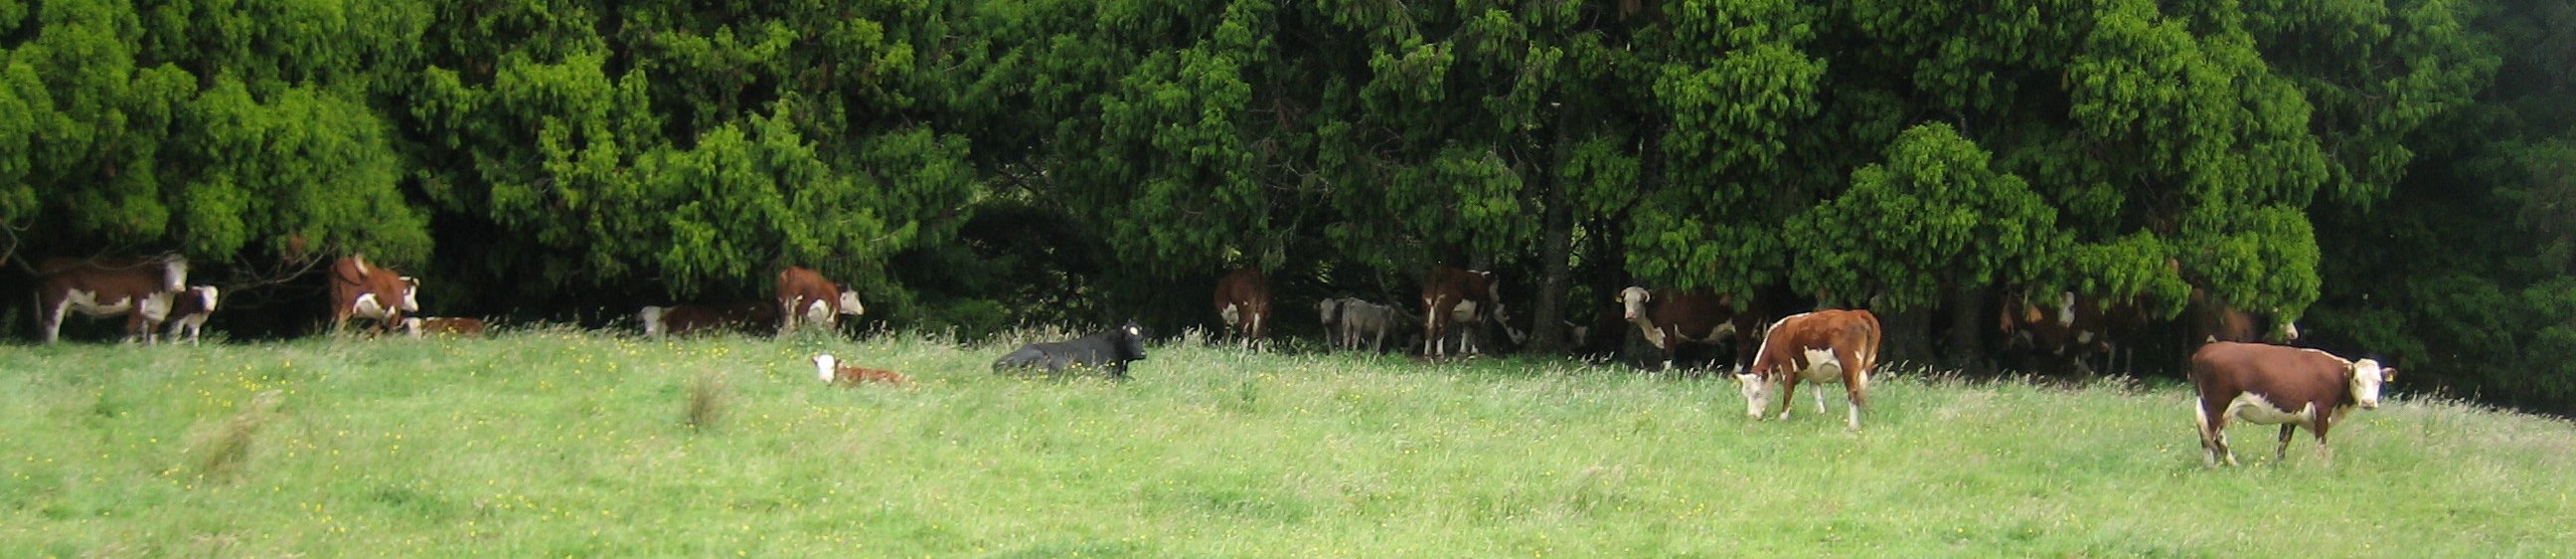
(707, 396)
(219, 450)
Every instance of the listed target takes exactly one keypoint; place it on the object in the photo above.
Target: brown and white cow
(1670, 319)
(805, 297)
(189, 311)
(1450, 296)
(420, 327)
(2073, 327)
(833, 371)
(684, 318)
(2277, 385)
(2216, 320)
(1821, 346)
(137, 287)
(1243, 301)
(362, 290)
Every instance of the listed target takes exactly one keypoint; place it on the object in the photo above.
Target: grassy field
(563, 443)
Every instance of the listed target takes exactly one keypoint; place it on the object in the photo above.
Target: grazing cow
(2216, 321)
(833, 371)
(1349, 319)
(1451, 295)
(138, 287)
(804, 296)
(1671, 319)
(2277, 385)
(418, 327)
(361, 290)
(189, 310)
(1243, 300)
(684, 318)
(1110, 349)
(1821, 346)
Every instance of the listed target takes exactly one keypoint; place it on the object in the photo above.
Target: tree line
(2394, 174)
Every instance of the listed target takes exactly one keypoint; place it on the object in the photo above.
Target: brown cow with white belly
(1243, 301)
(1822, 346)
(189, 311)
(1671, 318)
(362, 290)
(804, 296)
(138, 287)
(1452, 295)
(2277, 385)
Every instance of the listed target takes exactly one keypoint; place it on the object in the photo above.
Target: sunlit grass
(555, 442)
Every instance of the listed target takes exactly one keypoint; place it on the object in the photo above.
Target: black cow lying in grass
(1110, 349)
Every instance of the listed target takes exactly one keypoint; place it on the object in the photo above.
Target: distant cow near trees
(686, 318)
(1109, 350)
(1459, 298)
(137, 287)
(363, 290)
(805, 297)
(1243, 302)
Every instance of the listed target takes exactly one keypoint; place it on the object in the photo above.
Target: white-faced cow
(1821, 346)
(1670, 319)
(420, 327)
(684, 318)
(189, 311)
(362, 290)
(805, 297)
(1452, 296)
(135, 287)
(2277, 385)
(1243, 301)
(833, 371)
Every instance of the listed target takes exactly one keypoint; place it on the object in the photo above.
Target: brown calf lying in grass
(831, 371)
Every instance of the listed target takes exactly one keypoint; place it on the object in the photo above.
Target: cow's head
(823, 364)
(411, 294)
(411, 326)
(1330, 310)
(1634, 299)
(174, 273)
(1131, 341)
(206, 295)
(2367, 375)
(850, 304)
(652, 319)
(1756, 385)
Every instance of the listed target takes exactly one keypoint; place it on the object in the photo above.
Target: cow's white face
(206, 295)
(2366, 378)
(1232, 317)
(411, 294)
(411, 327)
(174, 274)
(652, 319)
(1325, 309)
(823, 365)
(1757, 393)
(850, 304)
(1634, 298)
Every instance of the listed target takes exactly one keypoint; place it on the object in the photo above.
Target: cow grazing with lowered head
(419, 327)
(833, 371)
(685, 318)
(1670, 319)
(189, 311)
(1108, 350)
(1243, 301)
(137, 287)
(1456, 297)
(1821, 346)
(2214, 320)
(2277, 385)
(805, 297)
(362, 290)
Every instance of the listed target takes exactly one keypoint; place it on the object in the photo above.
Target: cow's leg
(2324, 453)
(51, 318)
(1855, 385)
(2212, 422)
(1788, 393)
(2283, 453)
(137, 327)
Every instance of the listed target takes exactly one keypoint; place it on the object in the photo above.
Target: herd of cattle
(2236, 376)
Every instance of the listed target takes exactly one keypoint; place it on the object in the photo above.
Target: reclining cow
(1108, 350)
(137, 287)
(685, 318)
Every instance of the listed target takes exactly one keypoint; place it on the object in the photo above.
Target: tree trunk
(1970, 320)
(1556, 259)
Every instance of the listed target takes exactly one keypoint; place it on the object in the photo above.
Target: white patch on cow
(1757, 394)
(367, 306)
(1233, 318)
(823, 365)
(411, 327)
(652, 319)
(2253, 408)
(2066, 310)
(1822, 366)
(411, 294)
(88, 303)
(2366, 378)
(850, 304)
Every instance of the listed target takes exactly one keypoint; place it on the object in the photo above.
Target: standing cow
(804, 296)
(1243, 301)
(1670, 319)
(362, 290)
(2277, 385)
(1450, 296)
(189, 311)
(1821, 346)
(1348, 320)
(139, 288)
